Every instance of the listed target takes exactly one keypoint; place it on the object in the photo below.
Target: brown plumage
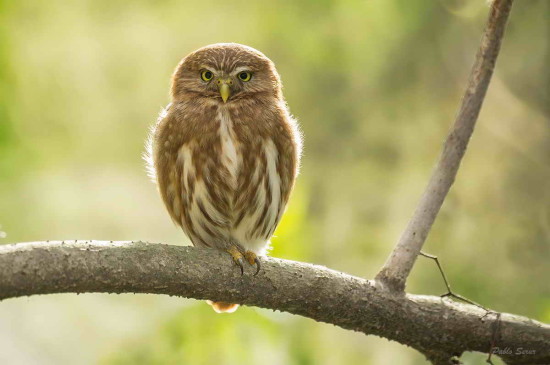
(225, 152)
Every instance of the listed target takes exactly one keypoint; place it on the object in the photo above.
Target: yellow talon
(237, 257)
(253, 259)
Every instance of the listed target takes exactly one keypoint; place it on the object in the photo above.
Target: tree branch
(399, 264)
(438, 328)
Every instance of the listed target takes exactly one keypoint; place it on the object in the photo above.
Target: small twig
(398, 266)
(450, 293)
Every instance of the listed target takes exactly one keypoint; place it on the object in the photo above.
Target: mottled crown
(226, 59)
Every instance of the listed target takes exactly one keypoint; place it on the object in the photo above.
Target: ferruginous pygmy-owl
(225, 152)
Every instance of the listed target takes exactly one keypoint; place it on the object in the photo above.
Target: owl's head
(226, 72)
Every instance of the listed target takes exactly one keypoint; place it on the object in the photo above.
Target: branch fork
(399, 264)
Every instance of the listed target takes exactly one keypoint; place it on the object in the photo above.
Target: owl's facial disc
(228, 73)
(224, 85)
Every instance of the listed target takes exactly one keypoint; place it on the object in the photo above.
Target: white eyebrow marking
(241, 69)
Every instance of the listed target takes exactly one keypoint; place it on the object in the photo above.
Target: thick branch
(429, 324)
(397, 268)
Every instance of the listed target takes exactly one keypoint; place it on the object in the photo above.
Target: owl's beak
(225, 89)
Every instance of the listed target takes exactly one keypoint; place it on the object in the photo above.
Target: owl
(225, 152)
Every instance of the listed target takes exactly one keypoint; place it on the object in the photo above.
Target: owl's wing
(289, 146)
(161, 164)
(148, 155)
(186, 164)
(167, 136)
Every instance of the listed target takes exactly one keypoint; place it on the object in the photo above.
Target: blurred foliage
(375, 85)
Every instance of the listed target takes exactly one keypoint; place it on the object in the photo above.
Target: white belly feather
(229, 159)
(232, 160)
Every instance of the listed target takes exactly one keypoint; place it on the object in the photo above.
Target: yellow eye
(245, 76)
(207, 75)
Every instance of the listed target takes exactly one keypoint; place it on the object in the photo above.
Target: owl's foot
(253, 259)
(237, 257)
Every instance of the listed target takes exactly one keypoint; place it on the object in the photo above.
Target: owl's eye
(245, 76)
(207, 75)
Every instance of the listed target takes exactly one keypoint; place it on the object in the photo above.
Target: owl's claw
(257, 261)
(237, 257)
(253, 259)
(240, 263)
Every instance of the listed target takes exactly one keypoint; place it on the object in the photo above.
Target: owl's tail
(223, 307)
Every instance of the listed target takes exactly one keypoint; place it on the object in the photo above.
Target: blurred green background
(375, 85)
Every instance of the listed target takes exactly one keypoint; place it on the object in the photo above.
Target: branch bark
(438, 328)
(399, 264)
